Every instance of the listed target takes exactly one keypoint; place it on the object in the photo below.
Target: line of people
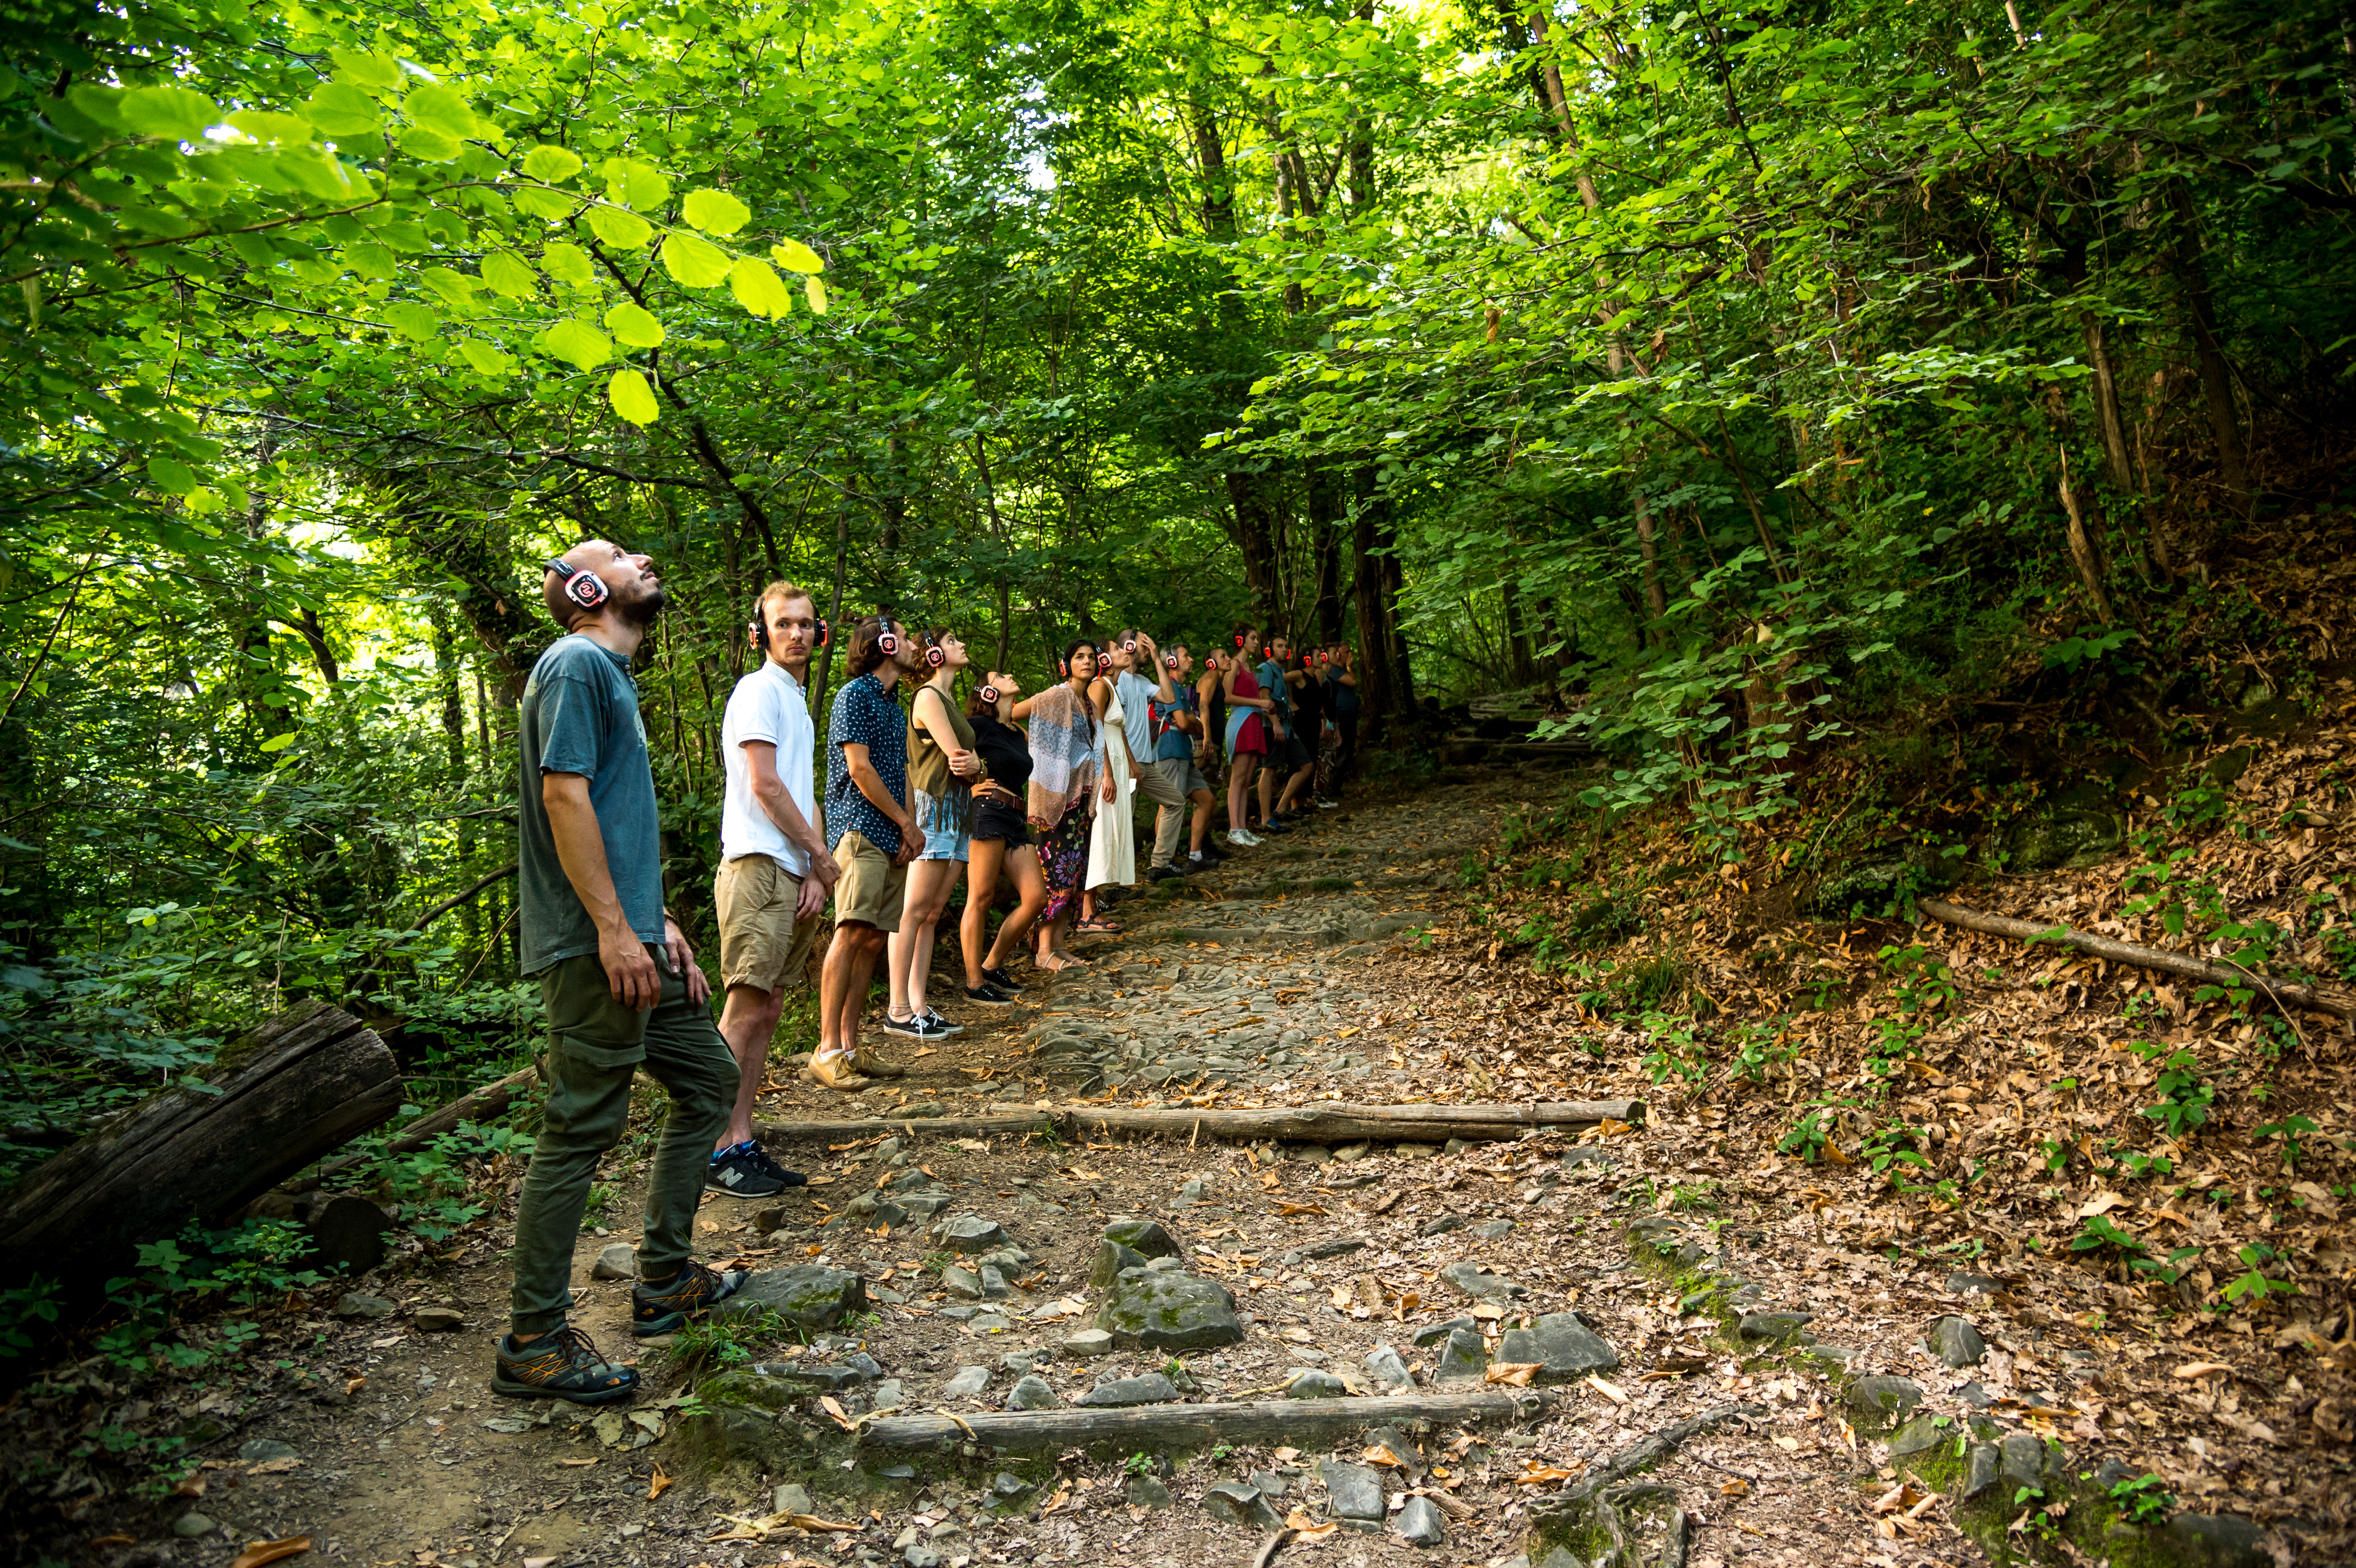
(1038, 790)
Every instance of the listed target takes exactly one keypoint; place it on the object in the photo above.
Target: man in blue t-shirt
(618, 978)
(1175, 716)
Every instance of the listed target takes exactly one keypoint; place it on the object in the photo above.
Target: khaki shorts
(872, 888)
(761, 944)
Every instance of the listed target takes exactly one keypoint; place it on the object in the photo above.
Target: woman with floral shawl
(1063, 724)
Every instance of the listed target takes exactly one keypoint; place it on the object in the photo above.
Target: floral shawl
(1062, 744)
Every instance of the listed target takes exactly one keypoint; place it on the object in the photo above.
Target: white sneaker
(1244, 837)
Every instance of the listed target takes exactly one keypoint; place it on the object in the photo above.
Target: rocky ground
(1688, 1350)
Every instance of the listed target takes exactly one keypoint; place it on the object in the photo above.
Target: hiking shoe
(1276, 825)
(665, 1308)
(865, 1061)
(835, 1072)
(1163, 873)
(745, 1170)
(1001, 979)
(563, 1365)
(940, 1024)
(989, 995)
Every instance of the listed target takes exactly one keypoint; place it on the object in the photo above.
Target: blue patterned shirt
(865, 715)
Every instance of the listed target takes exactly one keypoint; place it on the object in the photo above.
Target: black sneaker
(912, 1027)
(748, 1171)
(1001, 979)
(563, 1365)
(940, 1024)
(665, 1308)
(1163, 873)
(1276, 825)
(1005, 997)
(989, 995)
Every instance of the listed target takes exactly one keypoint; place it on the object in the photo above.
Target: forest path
(1294, 974)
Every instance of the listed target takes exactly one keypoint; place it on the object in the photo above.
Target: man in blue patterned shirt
(872, 825)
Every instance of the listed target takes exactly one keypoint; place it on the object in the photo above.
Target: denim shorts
(948, 844)
(948, 824)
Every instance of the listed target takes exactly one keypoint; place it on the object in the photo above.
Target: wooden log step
(1152, 1428)
(1326, 1123)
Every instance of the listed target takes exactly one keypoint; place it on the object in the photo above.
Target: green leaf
(620, 228)
(694, 262)
(795, 256)
(278, 742)
(173, 113)
(758, 289)
(542, 203)
(171, 476)
(568, 264)
(102, 104)
(635, 325)
(635, 185)
(263, 125)
(714, 212)
(316, 172)
(455, 289)
(429, 145)
(381, 72)
(486, 359)
(577, 343)
(632, 397)
(412, 320)
(443, 108)
(551, 163)
(505, 272)
(339, 110)
(816, 293)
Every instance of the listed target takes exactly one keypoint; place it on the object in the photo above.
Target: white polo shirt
(769, 704)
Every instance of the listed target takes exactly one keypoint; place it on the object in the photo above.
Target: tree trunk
(2085, 542)
(1256, 516)
(836, 631)
(305, 1084)
(1648, 545)
(2208, 353)
(1518, 640)
(1156, 1428)
(2117, 467)
(1377, 634)
(1324, 509)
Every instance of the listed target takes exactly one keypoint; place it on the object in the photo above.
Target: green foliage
(2256, 1285)
(244, 1267)
(2145, 1500)
(2185, 1094)
(715, 1344)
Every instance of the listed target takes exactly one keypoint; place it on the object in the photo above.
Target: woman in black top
(1001, 837)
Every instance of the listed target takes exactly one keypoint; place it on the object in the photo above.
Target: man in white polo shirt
(774, 871)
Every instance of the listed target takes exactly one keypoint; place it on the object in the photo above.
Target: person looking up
(1211, 700)
(874, 824)
(1146, 682)
(1308, 724)
(942, 764)
(1112, 837)
(775, 874)
(1175, 723)
(1062, 727)
(1346, 707)
(1248, 733)
(617, 980)
(1275, 768)
(1001, 838)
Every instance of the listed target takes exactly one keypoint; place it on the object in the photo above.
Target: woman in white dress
(1112, 837)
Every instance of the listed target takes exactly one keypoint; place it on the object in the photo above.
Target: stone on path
(1566, 1349)
(792, 1497)
(359, 1304)
(1111, 1258)
(1962, 1283)
(261, 1450)
(1919, 1436)
(1419, 1524)
(1494, 1229)
(1031, 1394)
(970, 1234)
(1478, 1282)
(1772, 1328)
(1385, 1368)
(1233, 1502)
(1089, 1342)
(1441, 1226)
(190, 1526)
(1145, 1236)
(618, 1261)
(1882, 1402)
(1355, 1493)
(1465, 1359)
(1162, 1310)
(808, 1295)
(1956, 1342)
(1433, 1333)
(968, 1382)
(1147, 1491)
(438, 1319)
(1308, 1382)
(1981, 1464)
(1151, 1388)
(2221, 1539)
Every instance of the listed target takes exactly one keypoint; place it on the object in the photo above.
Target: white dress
(1112, 839)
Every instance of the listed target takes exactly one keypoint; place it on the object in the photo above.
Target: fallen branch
(2287, 992)
(1642, 1455)
(1318, 1123)
(481, 1104)
(1154, 1427)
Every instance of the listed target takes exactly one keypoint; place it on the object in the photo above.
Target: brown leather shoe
(836, 1072)
(865, 1061)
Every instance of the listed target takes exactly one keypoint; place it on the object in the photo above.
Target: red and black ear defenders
(756, 630)
(935, 655)
(887, 639)
(583, 588)
(1169, 661)
(989, 694)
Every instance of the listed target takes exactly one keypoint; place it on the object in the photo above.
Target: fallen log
(306, 1082)
(1326, 1123)
(2289, 992)
(1567, 1505)
(477, 1105)
(1152, 1428)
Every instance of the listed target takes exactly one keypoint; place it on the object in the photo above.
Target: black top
(1005, 753)
(1309, 701)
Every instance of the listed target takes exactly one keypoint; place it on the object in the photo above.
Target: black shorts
(1296, 752)
(991, 820)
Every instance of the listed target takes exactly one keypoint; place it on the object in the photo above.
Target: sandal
(1099, 925)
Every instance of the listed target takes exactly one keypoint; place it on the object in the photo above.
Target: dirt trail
(1301, 972)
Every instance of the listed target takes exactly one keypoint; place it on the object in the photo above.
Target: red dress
(1252, 736)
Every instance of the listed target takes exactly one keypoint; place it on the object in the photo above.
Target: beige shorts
(761, 944)
(872, 888)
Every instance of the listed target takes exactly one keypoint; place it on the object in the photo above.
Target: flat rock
(970, 1234)
(1919, 1436)
(1233, 1502)
(1772, 1328)
(1031, 1394)
(1147, 1491)
(968, 1382)
(1441, 1225)
(1145, 1236)
(618, 1261)
(808, 1295)
(261, 1450)
(961, 1281)
(1419, 1524)
(1464, 1358)
(1954, 1341)
(1478, 1282)
(1385, 1368)
(1340, 1246)
(1162, 1311)
(1308, 1382)
(1089, 1342)
(1884, 1401)
(2219, 1539)
(1566, 1349)
(1356, 1492)
(439, 1320)
(1494, 1229)
(1151, 1388)
(359, 1304)
(1433, 1333)
(190, 1526)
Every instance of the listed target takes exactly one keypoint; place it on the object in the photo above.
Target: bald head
(633, 594)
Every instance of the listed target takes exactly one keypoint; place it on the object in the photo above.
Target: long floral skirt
(1064, 858)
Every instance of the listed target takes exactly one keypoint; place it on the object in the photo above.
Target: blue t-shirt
(1173, 744)
(1342, 699)
(1272, 685)
(580, 715)
(865, 715)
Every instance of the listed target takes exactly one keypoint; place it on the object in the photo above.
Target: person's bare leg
(1031, 883)
(748, 1020)
(1265, 780)
(980, 889)
(836, 1032)
(937, 902)
(869, 945)
(1294, 788)
(1201, 829)
(1238, 787)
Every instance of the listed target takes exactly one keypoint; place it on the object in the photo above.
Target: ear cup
(1169, 661)
(934, 658)
(1064, 667)
(586, 589)
(989, 694)
(825, 635)
(887, 644)
(756, 630)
